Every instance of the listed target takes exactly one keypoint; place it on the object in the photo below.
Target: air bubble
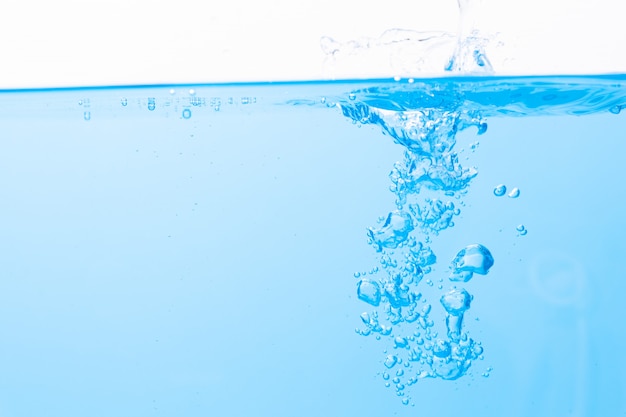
(401, 342)
(87, 116)
(473, 259)
(456, 301)
(186, 114)
(124, 102)
(352, 96)
(151, 104)
(369, 291)
(514, 193)
(500, 190)
(521, 230)
(390, 361)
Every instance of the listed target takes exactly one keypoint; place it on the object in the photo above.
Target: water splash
(410, 52)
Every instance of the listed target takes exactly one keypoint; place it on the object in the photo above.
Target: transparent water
(240, 250)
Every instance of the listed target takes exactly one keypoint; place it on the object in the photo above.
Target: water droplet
(385, 376)
(124, 102)
(456, 301)
(87, 116)
(521, 230)
(186, 114)
(151, 104)
(405, 401)
(369, 291)
(390, 361)
(514, 193)
(352, 96)
(500, 190)
(357, 275)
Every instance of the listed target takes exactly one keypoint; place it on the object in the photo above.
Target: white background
(103, 42)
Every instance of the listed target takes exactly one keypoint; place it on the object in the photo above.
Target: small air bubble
(186, 114)
(172, 91)
(352, 96)
(390, 361)
(192, 92)
(151, 104)
(500, 190)
(411, 80)
(405, 401)
(397, 78)
(87, 116)
(521, 230)
(124, 102)
(514, 193)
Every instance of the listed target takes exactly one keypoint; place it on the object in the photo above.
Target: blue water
(360, 248)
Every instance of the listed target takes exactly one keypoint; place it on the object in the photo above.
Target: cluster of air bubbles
(85, 104)
(501, 190)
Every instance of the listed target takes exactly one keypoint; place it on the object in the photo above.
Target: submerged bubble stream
(429, 185)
